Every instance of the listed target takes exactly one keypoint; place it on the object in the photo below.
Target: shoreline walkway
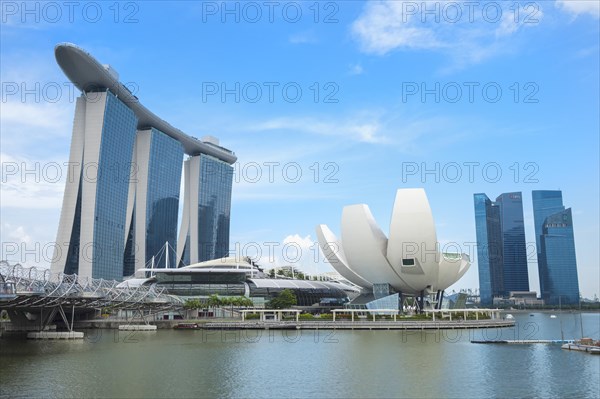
(359, 325)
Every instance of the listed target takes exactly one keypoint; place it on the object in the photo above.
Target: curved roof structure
(409, 261)
(298, 284)
(230, 262)
(88, 75)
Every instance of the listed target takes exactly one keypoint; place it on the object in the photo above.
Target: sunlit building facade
(501, 246)
(555, 241)
(121, 200)
(153, 204)
(91, 234)
(204, 233)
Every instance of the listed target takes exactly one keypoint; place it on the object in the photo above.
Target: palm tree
(192, 304)
(214, 301)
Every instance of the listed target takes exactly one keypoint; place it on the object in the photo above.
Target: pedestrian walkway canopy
(271, 314)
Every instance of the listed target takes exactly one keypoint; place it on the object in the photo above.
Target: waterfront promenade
(360, 325)
(236, 324)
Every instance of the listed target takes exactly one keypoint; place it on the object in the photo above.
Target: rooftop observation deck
(88, 75)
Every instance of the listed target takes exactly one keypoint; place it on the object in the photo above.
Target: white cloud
(37, 107)
(356, 69)
(54, 118)
(363, 128)
(16, 233)
(303, 253)
(382, 27)
(29, 184)
(465, 37)
(578, 7)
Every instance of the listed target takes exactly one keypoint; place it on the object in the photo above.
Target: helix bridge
(37, 293)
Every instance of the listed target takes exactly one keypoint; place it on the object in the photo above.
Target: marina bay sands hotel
(121, 200)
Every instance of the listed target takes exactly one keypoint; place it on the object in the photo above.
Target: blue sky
(362, 92)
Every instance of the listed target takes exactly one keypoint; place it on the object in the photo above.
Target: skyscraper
(91, 233)
(204, 233)
(489, 249)
(501, 247)
(557, 264)
(122, 194)
(153, 204)
(514, 247)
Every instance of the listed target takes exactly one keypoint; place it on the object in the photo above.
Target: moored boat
(587, 345)
(187, 326)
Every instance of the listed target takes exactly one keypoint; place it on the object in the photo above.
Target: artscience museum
(408, 263)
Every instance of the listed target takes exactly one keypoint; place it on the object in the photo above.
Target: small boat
(553, 316)
(509, 316)
(187, 326)
(531, 315)
(587, 345)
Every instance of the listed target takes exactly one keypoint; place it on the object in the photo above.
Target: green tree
(192, 304)
(214, 302)
(284, 300)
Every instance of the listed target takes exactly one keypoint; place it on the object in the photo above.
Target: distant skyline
(325, 104)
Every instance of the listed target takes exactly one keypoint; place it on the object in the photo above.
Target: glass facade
(489, 249)
(163, 161)
(162, 201)
(214, 206)
(304, 296)
(203, 284)
(545, 203)
(386, 302)
(514, 249)
(555, 241)
(112, 186)
(383, 290)
(72, 261)
(501, 247)
(236, 284)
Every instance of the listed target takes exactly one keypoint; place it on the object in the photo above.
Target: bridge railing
(39, 287)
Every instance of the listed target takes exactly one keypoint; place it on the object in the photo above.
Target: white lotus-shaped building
(409, 260)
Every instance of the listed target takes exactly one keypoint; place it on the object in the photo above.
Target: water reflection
(350, 364)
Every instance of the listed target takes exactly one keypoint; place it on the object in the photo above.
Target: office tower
(489, 249)
(514, 250)
(501, 247)
(557, 263)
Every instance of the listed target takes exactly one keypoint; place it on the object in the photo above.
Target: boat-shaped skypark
(122, 195)
(87, 74)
